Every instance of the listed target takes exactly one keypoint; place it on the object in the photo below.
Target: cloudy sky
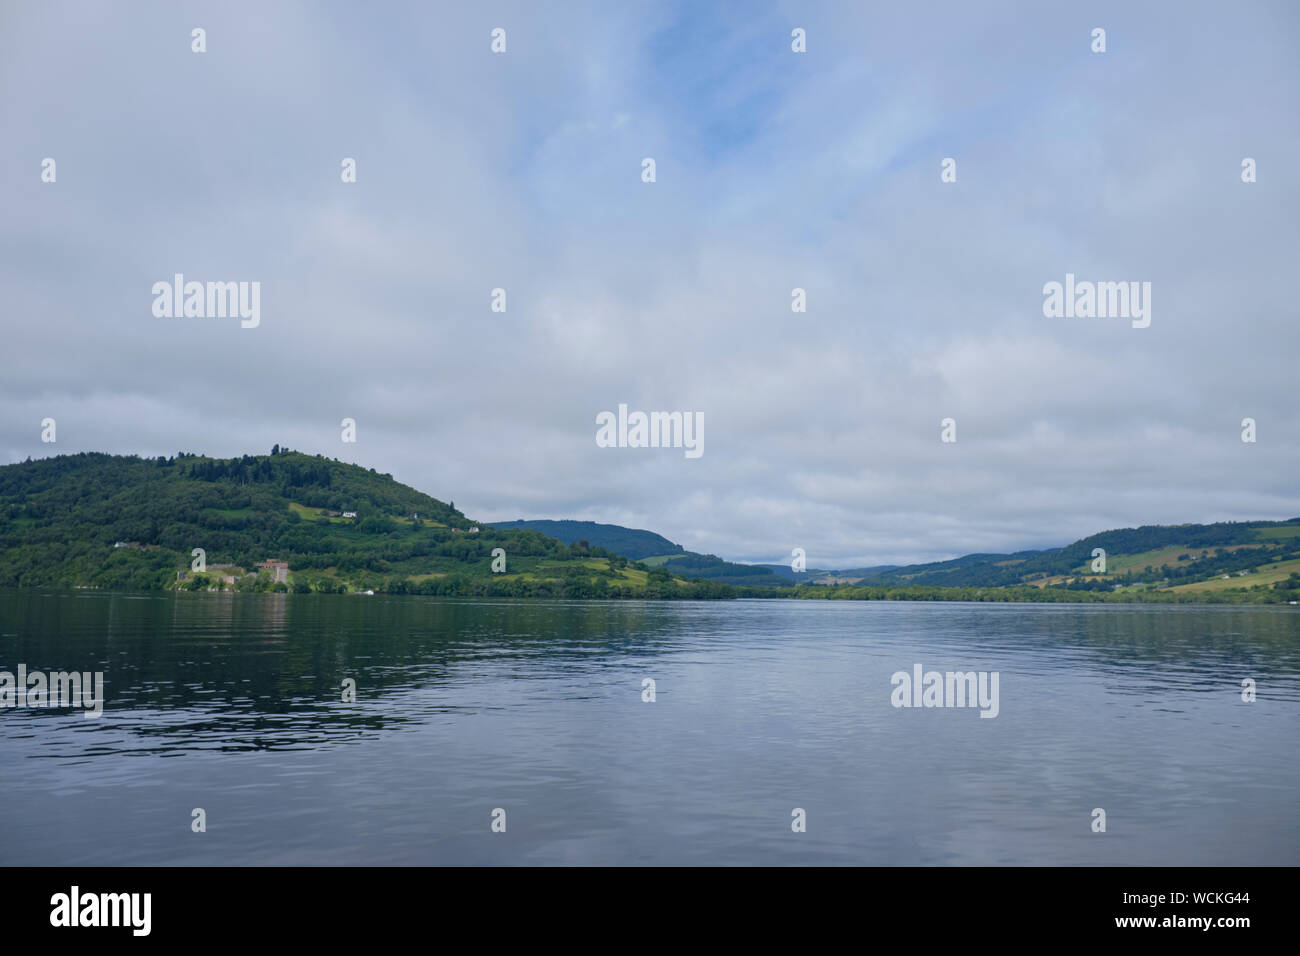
(774, 170)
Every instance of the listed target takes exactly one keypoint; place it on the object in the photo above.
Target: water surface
(232, 703)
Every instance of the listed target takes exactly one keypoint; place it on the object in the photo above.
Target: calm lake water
(232, 703)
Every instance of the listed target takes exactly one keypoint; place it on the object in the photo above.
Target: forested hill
(654, 550)
(96, 520)
(1252, 561)
(629, 542)
(1153, 556)
(289, 521)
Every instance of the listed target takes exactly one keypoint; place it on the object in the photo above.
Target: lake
(232, 703)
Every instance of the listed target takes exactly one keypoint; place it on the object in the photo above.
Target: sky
(522, 170)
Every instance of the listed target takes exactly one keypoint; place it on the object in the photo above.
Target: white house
(349, 514)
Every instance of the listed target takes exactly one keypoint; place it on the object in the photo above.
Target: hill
(111, 521)
(629, 542)
(1253, 561)
(123, 522)
(1177, 558)
(655, 550)
(823, 576)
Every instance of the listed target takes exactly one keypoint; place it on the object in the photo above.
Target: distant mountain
(1176, 561)
(823, 576)
(710, 567)
(629, 542)
(1174, 557)
(653, 550)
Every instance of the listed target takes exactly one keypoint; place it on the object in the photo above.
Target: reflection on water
(233, 703)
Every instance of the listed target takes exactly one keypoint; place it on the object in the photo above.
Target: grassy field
(409, 520)
(315, 514)
(310, 514)
(1119, 563)
(1162, 557)
(638, 578)
(1158, 558)
(1268, 575)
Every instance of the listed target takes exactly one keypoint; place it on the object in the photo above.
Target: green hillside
(710, 567)
(654, 550)
(633, 544)
(1174, 558)
(122, 522)
(108, 521)
(1246, 562)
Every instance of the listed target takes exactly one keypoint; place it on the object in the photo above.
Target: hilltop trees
(62, 517)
